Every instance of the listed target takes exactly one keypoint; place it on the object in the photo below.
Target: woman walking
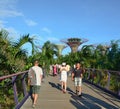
(63, 71)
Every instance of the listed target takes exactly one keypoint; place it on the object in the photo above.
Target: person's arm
(29, 77)
(81, 75)
(41, 75)
(73, 76)
(66, 68)
(60, 69)
(29, 81)
(83, 71)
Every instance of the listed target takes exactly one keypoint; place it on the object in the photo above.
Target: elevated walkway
(51, 97)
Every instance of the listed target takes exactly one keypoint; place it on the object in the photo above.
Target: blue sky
(95, 20)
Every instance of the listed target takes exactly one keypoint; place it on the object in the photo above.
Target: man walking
(77, 75)
(34, 79)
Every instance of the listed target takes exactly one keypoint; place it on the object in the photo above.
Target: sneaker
(33, 105)
(76, 92)
(64, 91)
(80, 95)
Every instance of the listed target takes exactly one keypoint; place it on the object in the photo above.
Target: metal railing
(17, 84)
(106, 79)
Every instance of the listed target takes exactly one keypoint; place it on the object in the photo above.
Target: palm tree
(114, 55)
(48, 52)
(5, 45)
(23, 40)
(12, 57)
(87, 55)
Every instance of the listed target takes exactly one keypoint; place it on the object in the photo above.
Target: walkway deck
(51, 97)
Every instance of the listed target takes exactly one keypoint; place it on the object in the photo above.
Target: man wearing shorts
(34, 79)
(77, 78)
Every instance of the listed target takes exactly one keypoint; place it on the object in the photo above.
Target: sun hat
(63, 63)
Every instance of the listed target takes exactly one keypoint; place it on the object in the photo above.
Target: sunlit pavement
(51, 97)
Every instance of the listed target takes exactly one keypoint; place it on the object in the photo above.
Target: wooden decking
(51, 97)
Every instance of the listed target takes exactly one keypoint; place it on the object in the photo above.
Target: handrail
(9, 76)
(14, 79)
(98, 77)
(104, 79)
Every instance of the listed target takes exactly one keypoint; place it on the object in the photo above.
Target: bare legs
(78, 90)
(63, 86)
(35, 96)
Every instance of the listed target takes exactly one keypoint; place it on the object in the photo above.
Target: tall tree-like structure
(103, 48)
(60, 48)
(74, 43)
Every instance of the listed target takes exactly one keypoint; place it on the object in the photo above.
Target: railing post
(15, 90)
(24, 84)
(108, 80)
(93, 75)
(100, 76)
(119, 92)
(88, 74)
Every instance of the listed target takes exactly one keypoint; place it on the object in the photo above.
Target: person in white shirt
(34, 80)
(63, 71)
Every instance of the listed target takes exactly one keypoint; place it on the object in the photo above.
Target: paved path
(51, 97)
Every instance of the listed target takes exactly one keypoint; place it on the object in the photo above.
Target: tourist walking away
(63, 76)
(55, 70)
(77, 75)
(34, 80)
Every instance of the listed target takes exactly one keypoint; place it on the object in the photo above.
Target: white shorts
(78, 81)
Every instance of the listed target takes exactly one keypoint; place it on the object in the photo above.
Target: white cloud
(9, 13)
(13, 33)
(1, 24)
(45, 29)
(30, 22)
(53, 39)
(42, 39)
(8, 4)
(8, 8)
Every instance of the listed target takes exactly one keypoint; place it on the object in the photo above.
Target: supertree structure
(103, 48)
(60, 47)
(74, 43)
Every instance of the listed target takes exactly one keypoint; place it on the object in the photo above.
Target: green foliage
(14, 59)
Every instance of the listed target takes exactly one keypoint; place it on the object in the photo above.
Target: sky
(98, 21)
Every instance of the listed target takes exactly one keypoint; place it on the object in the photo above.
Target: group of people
(77, 74)
(35, 76)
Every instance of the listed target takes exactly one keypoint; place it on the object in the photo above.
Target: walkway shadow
(89, 102)
(70, 91)
(99, 91)
(57, 86)
(86, 101)
(75, 100)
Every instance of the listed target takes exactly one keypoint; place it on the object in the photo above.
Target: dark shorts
(35, 89)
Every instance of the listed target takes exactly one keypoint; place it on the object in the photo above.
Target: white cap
(64, 63)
